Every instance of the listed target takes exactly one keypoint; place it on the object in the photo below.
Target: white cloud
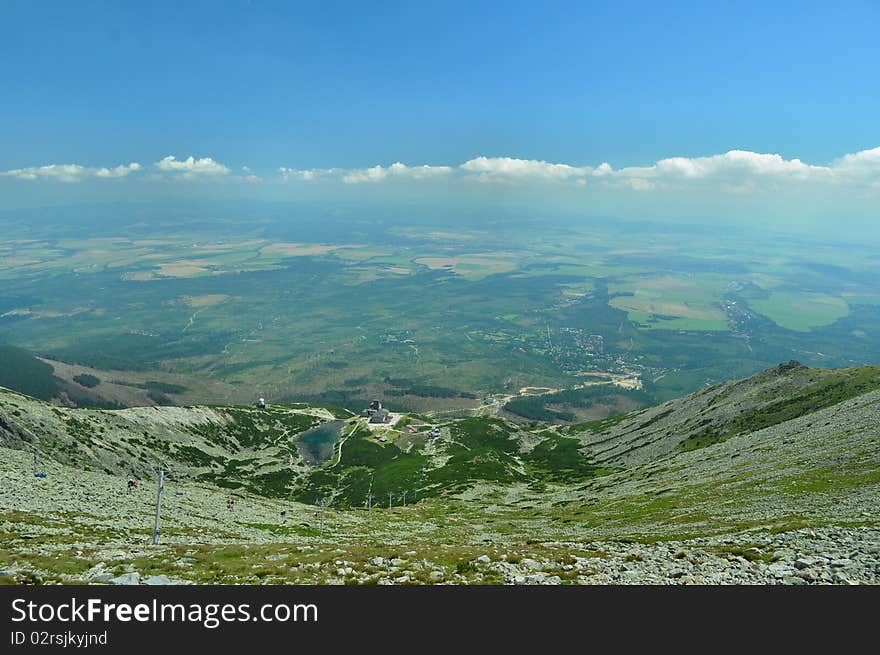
(374, 174)
(500, 169)
(397, 169)
(419, 172)
(738, 171)
(735, 171)
(249, 176)
(119, 171)
(865, 163)
(60, 172)
(304, 175)
(731, 168)
(638, 184)
(191, 167)
(70, 172)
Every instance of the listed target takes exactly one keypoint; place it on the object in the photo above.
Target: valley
(601, 404)
(768, 479)
(424, 318)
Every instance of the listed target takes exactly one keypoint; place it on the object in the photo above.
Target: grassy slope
(816, 470)
(717, 413)
(243, 448)
(232, 447)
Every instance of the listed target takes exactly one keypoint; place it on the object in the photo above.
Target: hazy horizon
(755, 116)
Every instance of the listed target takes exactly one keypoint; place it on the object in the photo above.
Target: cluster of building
(376, 413)
(595, 344)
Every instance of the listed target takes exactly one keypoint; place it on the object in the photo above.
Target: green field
(800, 310)
(671, 302)
(650, 321)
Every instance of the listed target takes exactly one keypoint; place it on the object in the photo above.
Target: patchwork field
(425, 316)
(670, 303)
(471, 267)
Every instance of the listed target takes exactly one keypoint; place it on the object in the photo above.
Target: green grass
(829, 480)
(703, 439)
(482, 449)
(560, 459)
(599, 426)
(366, 466)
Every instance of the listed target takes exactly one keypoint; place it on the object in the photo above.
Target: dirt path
(338, 456)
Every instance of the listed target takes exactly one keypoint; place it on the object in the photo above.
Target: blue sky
(349, 86)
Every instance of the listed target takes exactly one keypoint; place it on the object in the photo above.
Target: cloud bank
(378, 173)
(502, 169)
(732, 171)
(70, 172)
(735, 170)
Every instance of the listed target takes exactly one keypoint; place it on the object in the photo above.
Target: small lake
(315, 446)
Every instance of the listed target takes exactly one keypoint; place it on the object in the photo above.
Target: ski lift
(38, 469)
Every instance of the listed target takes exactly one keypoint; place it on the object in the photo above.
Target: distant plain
(426, 317)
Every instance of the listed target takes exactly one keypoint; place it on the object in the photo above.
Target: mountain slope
(718, 413)
(230, 446)
(245, 447)
(789, 492)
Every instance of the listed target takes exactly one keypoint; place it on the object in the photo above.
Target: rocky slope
(237, 446)
(715, 414)
(772, 479)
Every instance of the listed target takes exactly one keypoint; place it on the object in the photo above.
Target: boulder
(157, 580)
(126, 579)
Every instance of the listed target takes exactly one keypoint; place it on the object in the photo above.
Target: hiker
(132, 485)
